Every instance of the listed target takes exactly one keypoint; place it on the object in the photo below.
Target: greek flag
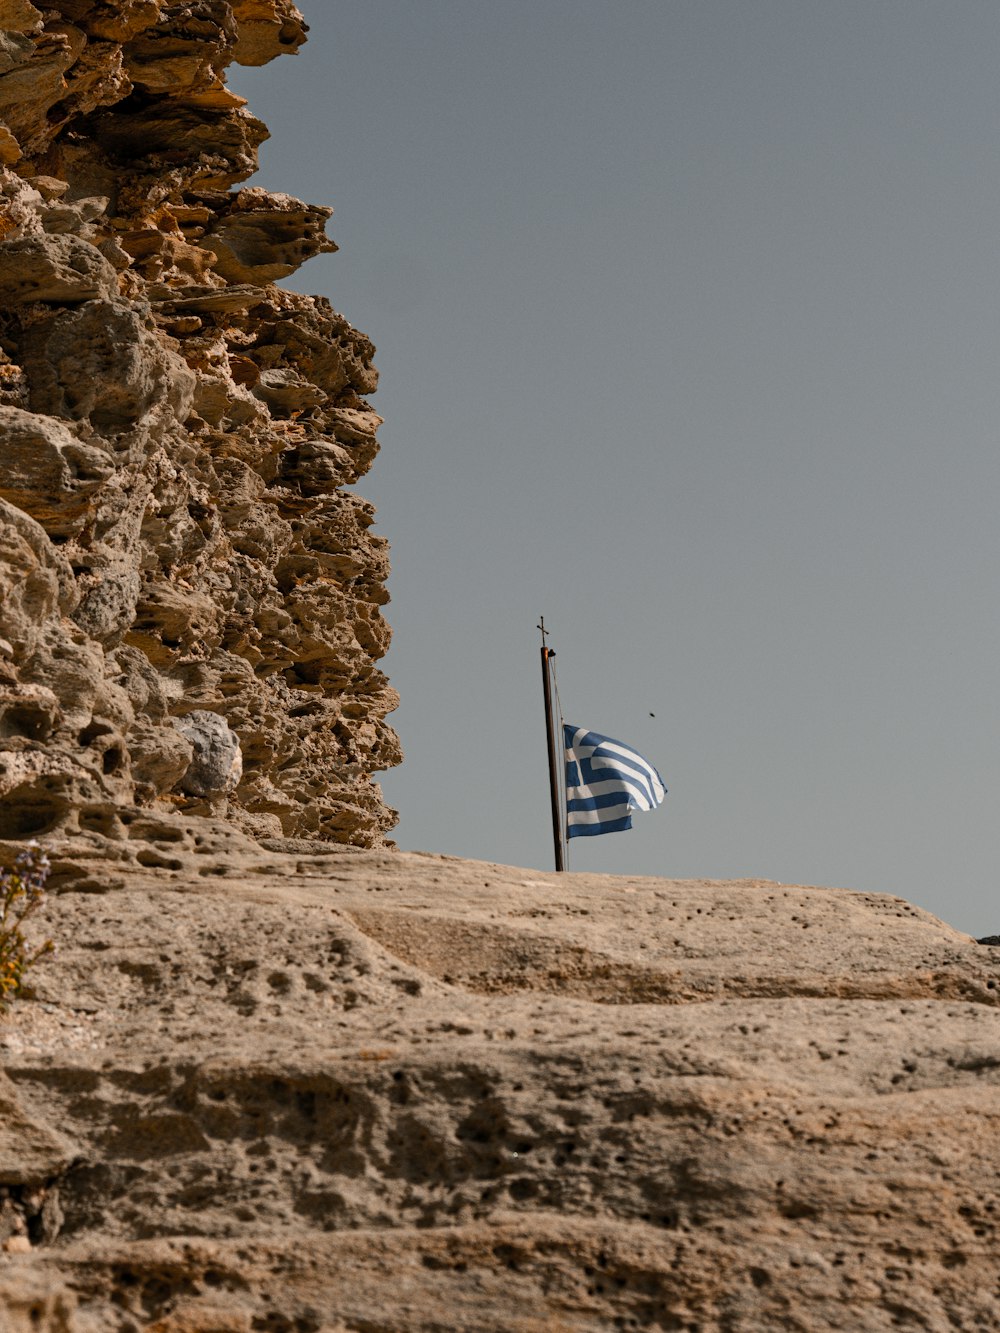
(605, 782)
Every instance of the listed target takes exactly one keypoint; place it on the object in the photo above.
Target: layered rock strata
(395, 1093)
(177, 435)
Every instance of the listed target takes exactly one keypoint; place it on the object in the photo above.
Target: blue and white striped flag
(605, 782)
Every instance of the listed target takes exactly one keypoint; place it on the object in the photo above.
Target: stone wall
(190, 599)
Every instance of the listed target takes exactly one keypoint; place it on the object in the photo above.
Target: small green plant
(22, 892)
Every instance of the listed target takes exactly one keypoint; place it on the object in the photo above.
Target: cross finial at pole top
(550, 745)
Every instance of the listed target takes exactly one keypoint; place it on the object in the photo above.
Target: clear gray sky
(688, 321)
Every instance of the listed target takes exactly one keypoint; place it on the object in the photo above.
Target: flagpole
(550, 740)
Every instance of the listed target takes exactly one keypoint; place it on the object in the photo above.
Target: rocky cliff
(281, 1085)
(395, 1093)
(190, 598)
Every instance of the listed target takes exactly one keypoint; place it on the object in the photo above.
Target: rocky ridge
(386, 1092)
(190, 598)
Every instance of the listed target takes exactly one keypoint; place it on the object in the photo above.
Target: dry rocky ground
(304, 1088)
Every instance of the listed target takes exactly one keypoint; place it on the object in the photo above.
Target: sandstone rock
(21, 206)
(181, 432)
(10, 149)
(31, 711)
(76, 217)
(59, 269)
(113, 20)
(31, 1153)
(14, 48)
(217, 762)
(110, 587)
(160, 756)
(19, 16)
(48, 472)
(262, 237)
(38, 582)
(267, 30)
(309, 1086)
(102, 363)
(31, 1303)
(63, 78)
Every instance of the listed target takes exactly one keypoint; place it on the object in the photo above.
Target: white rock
(217, 765)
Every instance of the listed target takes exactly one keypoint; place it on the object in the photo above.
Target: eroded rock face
(176, 434)
(328, 1089)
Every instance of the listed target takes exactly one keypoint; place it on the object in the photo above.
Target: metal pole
(550, 740)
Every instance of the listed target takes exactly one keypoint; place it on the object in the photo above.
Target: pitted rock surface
(307, 1088)
(216, 761)
(176, 533)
